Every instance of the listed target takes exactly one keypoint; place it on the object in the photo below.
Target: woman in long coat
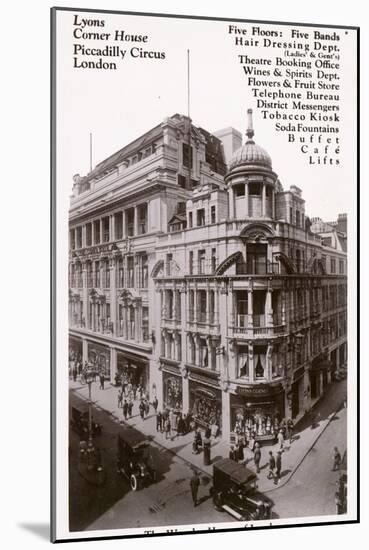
(207, 446)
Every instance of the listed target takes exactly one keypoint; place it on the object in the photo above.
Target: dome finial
(250, 129)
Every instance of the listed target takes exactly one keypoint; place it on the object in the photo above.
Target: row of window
(106, 229)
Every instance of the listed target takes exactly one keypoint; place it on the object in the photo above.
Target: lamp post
(90, 377)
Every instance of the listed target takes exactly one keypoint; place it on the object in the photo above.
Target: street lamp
(90, 377)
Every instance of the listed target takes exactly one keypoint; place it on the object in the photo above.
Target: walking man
(257, 457)
(194, 483)
(280, 439)
(336, 459)
(155, 404)
(278, 467)
(289, 431)
(130, 408)
(125, 409)
(142, 409)
(271, 465)
(102, 381)
(120, 399)
(159, 420)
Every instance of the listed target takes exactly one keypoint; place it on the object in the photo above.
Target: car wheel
(134, 482)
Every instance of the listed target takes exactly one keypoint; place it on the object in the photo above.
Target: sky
(118, 106)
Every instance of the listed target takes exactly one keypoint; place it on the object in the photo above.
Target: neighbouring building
(194, 273)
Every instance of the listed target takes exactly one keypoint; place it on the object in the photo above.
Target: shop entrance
(206, 406)
(133, 370)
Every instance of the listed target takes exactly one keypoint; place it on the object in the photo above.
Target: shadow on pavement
(88, 502)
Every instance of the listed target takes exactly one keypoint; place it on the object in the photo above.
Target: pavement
(304, 438)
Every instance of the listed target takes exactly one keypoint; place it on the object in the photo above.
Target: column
(216, 306)
(113, 295)
(207, 305)
(268, 308)
(231, 203)
(93, 309)
(101, 230)
(84, 351)
(232, 299)
(182, 297)
(175, 303)
(135, 221)
(195, 304)
(113, 364)
(137, 322)
(85, 294)
(251, 361)
(125, 314)
(92, 232)
(250, 309)
(185, 395)
(273, 204)
(226, 416)
(176, 345)
(124, 229)
(268, 361)
(197, 349)
(83, 229)
(246, 200)
(112, 228)
(263, 200)
(283, 307)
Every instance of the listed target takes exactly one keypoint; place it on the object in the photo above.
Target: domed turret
(251, 180)
(250, 153)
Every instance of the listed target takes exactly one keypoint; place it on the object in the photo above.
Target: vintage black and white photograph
(205, 191)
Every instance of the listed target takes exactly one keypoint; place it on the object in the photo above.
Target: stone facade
(204, 282)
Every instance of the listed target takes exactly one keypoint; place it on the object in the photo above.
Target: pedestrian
(142, 409)
(134, 390)
(74, 373)
(289, 430)
(159, 420)
(271, 465)
(147, 408)
(194, 484)
(207, 450)
(125, 409)
(240, 448)
(336, 459)
(167, 428)
(155, 403)
(120, 399)
(102, 381)
(130, 408)
(257, 457)
(197, 442)
(232, 453)
(278, 467)
(280, 439)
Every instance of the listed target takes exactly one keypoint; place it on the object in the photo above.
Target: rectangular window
(190, 262)
(190, 219)
(213, 259)
(342, 267)
(130, 221)
(106, 234)
(130, 272)
(97, 231)
(79, 237)
(144, 276)
(142, 219)
(120, 281)
(145, 324)
(213, 214)
(202, 306)
(118, 225)
(88, 234)
(297, 218)
(239, 190)
(187, 152)
(201, 262)
(201, 217)
(291, 215)
(181, 181)
(333, 265)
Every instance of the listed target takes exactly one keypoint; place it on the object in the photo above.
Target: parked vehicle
(134, 458)
(235, 491)
(79, 422)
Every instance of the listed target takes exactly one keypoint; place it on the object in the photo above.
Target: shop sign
(203, 379)
(258, 391)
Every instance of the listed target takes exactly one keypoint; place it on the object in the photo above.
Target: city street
(309, 492)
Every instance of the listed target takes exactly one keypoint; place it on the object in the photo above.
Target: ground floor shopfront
(110, 360)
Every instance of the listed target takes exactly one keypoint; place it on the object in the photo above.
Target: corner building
(200, 278)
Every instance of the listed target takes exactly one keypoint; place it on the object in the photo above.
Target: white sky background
(118, 106)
